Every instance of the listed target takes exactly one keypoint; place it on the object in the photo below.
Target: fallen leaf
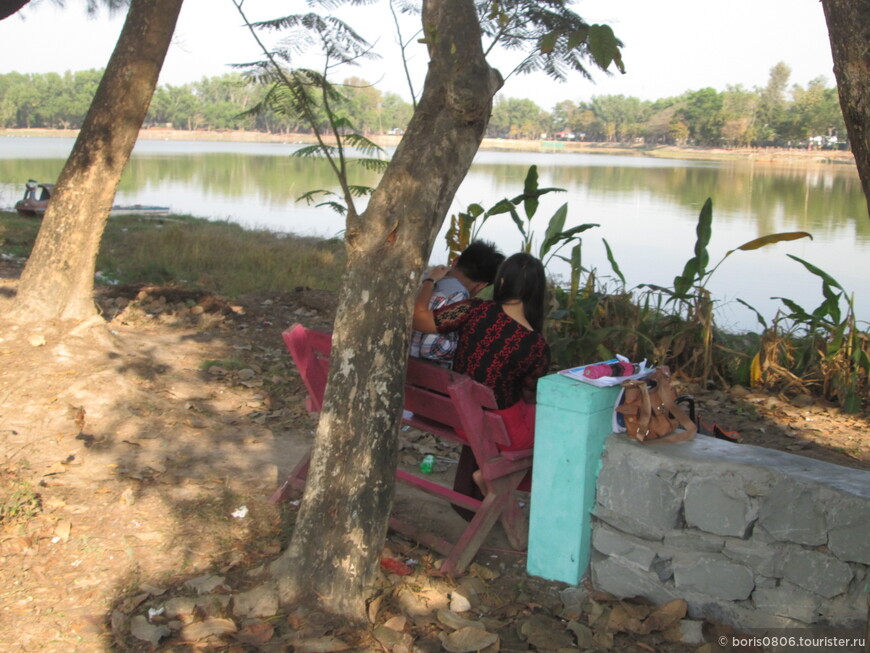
(466, 640)
(56, 468)
(141, 629)
(320, 645)
(664, 616)
(208, 628)
(256, 633)
(62, 530)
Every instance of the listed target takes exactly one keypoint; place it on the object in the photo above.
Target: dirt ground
(134, 486)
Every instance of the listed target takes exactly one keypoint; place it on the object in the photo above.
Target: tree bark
(9, 7)
(849, 31)
(58, 280)
(334, 554)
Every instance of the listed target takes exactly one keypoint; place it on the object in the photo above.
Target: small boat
(36, 197)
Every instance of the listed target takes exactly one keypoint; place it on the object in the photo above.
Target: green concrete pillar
(573, 419)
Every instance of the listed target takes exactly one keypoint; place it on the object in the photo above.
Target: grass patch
(19, 502)
(215, 256)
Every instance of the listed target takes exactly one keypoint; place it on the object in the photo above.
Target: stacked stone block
(751, 537)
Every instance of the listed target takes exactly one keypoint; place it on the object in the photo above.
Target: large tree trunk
(58, 281)
(9, 7)
(849, 30)
(342, 523)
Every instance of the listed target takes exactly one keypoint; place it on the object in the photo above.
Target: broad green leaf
(603, 45)
(530, 192)
(614, 266)
(696, 267)
(502, 206)
(704, 232)
(557, 223)
(817, 271)
(798, 313)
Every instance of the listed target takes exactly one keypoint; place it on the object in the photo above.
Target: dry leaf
(62, 530)
(56, 468)
(664, 616)
(208, 628)
(256, 633)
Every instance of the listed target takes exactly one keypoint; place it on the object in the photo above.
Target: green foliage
(775, 115)
(592, 319)
(832, 356)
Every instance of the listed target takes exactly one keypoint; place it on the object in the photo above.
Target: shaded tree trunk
(342, 523)
(849, 31)
(58, 281)
(9, 7)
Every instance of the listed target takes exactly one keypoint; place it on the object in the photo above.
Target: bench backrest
(441, 401)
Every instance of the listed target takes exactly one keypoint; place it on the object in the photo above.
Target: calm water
(647, 209)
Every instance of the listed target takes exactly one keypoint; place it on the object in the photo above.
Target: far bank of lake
(758, 155)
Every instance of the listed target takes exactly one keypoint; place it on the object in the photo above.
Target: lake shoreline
(755, 155)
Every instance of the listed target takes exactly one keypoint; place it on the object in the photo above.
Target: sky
(671, 46)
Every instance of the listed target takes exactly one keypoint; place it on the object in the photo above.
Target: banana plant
(690, 287)
(835, 343)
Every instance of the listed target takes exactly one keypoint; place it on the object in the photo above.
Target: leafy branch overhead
(555, 39)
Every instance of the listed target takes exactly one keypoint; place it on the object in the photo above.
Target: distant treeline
(780, 114)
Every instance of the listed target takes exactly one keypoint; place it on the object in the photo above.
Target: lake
(647, 209)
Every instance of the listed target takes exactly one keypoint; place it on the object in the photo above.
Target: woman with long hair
(501, 345)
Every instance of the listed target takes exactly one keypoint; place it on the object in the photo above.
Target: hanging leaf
(612, 260)
(548, 42)
(603, 45)
(771, 239)
(530, 192)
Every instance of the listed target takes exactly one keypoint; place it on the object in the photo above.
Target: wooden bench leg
(515, 524)
(499, 498)
(294, 481)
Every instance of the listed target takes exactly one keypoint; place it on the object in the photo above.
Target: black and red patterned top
(494, 349)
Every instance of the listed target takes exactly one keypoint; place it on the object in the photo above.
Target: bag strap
(675, 410)
(669, 400)
(644, 409)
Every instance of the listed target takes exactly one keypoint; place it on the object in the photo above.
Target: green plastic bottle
(427, 464)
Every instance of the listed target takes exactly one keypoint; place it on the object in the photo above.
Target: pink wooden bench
(453, 407)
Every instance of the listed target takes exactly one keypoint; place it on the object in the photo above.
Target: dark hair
(479, 261)
(522, 277)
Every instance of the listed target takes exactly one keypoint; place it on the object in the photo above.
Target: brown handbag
(651, 411)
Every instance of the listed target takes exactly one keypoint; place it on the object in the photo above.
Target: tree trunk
(58, 281)
(849, 30)
(342, 523)
(9, 7)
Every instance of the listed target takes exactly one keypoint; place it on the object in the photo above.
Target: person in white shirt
(474, 270)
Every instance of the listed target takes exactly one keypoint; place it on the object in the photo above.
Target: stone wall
(751, 537)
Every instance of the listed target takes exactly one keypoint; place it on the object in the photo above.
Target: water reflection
(647, 208)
